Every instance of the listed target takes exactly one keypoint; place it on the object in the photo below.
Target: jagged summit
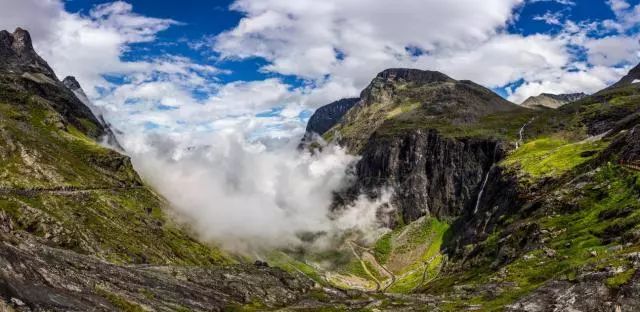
(552, 100)
(72, 83)
(18, 56)
(23, 71)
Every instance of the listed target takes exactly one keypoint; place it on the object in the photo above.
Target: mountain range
(494, 206)
(551, 100)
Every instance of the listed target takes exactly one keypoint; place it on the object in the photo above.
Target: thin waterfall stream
(484, 182)
(521, 133)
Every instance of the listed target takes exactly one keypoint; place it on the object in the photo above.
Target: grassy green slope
(585, 206)
(588, 212)
(57, 183)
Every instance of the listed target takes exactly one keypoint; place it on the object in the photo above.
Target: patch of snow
(636, 81)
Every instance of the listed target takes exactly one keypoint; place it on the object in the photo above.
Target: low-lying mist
(248, 196)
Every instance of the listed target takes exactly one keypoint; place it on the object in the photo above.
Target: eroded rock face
(39, 278)
(329, 115)
(428, 173)
(18, 56)
(72, 84)
(625, 148)
(588, 294)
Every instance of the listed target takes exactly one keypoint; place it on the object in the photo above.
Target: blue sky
(260, 67)
(202, 18)
(206, 92)
(198, 19)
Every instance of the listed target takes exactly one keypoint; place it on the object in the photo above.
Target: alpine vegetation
(335, 155)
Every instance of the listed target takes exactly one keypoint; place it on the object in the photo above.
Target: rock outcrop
(329, 115)
(18, 56)
(589, 294)
(23, 70)
(552, 100)
(110, 137)
(36, 277)
(429, 174)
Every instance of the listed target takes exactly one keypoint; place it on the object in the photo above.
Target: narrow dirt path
(63, 190)
(363, 264)
(371, 257)
(426, 269)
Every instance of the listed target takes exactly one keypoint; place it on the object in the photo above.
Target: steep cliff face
(329, 115)
(22, 70)
(409, 128)
(18, 56)
(72, 84)
(430, 174)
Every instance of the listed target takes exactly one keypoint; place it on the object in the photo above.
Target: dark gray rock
(23, 71)
(72, 84)
(587, 295)
(428, 173)
(18, 56)
(35, 277)
(329, 115)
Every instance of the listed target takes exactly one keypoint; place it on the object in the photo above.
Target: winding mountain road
(63, 190)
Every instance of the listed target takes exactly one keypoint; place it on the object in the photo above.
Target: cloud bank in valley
(193, 136)
(247, 195)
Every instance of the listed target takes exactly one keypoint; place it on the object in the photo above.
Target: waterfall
(486, 179)
(484, 184)
(521, 132)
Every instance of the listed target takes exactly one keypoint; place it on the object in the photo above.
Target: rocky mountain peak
(22, 41)
(413, 75)
(386, 83)
(18, 56)
(552, 100)
(71, 83)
